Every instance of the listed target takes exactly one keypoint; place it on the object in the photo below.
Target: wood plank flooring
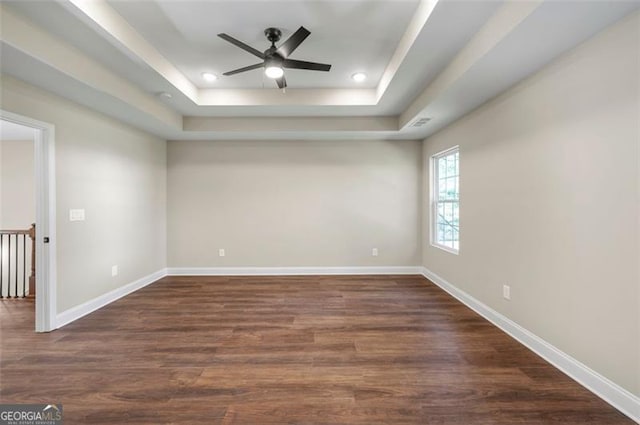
(360, 350)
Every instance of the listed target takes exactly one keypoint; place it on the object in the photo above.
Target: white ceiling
(425, 58)
(12, 131)
(355, 35)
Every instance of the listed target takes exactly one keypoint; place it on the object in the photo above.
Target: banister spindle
(9, 269)
(11, 253)
(17, 272)
(1, 264)
(32, 278)
(24, 265)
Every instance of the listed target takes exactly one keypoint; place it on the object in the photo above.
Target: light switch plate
(506, 292)
(76, 215)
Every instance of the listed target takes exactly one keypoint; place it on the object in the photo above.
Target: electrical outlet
(374, 252)
(114, 271)
(221, 252)
(506, 292)
(76, 215)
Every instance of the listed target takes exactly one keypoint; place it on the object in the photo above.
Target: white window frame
(434, 191)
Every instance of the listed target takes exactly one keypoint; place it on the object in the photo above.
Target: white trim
(609, 391)
(288, 271)
(446, 248)
(433, 195)
(90, 306)
(45, 178)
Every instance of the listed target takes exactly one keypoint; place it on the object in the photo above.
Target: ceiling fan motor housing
(273, 34)
(272, 58)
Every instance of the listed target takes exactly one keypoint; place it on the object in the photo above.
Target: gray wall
(549, 204)
(118, 175)
(17, 184)
(293, 203)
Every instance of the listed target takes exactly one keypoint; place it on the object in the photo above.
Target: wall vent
(420, 122)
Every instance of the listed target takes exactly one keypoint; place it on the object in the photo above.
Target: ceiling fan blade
(246, 68)
(241, 45)
(293, 42)
(282, 83)
(313, 66)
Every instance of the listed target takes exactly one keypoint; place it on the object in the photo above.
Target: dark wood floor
(288, 350)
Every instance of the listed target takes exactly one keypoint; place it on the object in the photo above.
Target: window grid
(445, 231)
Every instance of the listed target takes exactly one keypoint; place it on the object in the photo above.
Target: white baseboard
(289, 271)
(612, 393)
(90, 306)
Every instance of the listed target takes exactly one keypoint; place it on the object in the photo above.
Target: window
(445, 200)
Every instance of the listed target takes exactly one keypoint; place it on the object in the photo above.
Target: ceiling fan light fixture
(275, 59)
(274, 72)
(209, 76)
(359, 77)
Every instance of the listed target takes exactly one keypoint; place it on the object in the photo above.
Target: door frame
(45, 179)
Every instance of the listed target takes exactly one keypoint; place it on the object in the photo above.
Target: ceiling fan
(276, 59)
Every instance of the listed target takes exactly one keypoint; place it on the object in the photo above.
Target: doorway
(27, 217)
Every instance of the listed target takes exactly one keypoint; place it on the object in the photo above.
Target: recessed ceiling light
(359, 77)
(274, 72)
(208, 76)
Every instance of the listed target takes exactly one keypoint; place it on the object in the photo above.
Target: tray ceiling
(435, 59)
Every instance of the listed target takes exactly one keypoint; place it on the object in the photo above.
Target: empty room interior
(320, 212)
